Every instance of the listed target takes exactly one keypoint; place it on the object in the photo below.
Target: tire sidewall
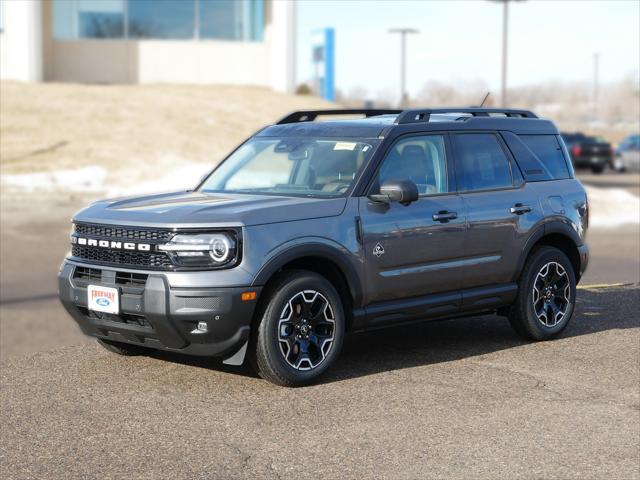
(541, 258)
(268, 334)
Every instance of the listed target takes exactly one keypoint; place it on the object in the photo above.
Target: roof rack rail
(311, 115)
(422, 115)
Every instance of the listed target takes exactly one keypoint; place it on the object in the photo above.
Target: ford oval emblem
(103, 302)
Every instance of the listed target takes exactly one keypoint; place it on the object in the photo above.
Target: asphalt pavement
(453, 399)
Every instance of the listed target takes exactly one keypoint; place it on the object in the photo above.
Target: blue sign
(323, 45)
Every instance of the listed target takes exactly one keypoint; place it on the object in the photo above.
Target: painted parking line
(600, 286)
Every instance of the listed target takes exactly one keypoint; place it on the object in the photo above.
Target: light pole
(403, 47)
(596, 61)
(505, 41)
(505, 35)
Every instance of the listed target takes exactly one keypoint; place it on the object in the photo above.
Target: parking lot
(452, 399)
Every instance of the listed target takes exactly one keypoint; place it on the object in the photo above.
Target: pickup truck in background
(588, 152)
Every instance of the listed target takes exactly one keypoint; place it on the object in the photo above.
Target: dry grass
(132, 129)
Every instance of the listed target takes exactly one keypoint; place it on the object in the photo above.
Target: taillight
(576, 150)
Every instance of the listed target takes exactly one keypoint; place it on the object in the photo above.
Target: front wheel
(546, 296)
(301, 329)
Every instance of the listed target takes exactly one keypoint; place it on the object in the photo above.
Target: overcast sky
(460, 41)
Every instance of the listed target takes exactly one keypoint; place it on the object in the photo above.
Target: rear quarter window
(549, 152)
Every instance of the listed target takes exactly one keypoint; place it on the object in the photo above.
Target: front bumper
(157, 315)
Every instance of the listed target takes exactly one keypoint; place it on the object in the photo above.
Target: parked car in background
(588, 152)
(627, 156)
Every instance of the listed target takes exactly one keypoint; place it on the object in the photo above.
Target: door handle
(444, 216)
(520, 209)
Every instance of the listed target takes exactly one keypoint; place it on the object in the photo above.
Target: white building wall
(159, 61)
(21, 40)
(281, 36)
(267, 63)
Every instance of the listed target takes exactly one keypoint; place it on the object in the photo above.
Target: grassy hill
(133, 131)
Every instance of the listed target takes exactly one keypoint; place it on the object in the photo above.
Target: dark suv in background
(588, 152)
(310, 230)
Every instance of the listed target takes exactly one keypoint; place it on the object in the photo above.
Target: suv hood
(197, 209)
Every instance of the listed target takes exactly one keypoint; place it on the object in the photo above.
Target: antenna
(485, 99)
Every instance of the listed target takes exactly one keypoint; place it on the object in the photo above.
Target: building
(237, 42)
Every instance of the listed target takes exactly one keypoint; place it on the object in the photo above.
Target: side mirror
(401, 191)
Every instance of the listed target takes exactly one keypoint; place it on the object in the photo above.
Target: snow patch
(185, 177)
(85, 179)
(612, 207)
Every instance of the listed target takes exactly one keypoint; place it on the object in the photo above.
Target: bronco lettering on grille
(92, 242)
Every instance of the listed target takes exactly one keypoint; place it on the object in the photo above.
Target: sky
(460, 41)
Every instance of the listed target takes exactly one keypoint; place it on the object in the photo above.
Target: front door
(414, 250)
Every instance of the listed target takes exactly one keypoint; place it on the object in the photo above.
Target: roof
(380, 122)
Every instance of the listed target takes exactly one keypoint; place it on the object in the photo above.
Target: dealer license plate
(103, 299)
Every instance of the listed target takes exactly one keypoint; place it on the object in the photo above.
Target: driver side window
(420, 159)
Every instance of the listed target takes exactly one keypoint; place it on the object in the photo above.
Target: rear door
(416, 249)
(501, 208)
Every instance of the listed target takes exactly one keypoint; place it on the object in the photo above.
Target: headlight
(202, 249)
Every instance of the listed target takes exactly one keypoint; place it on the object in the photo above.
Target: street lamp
(596, 63)
(403, 46)
(505, 35)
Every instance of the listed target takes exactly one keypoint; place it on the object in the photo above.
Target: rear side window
(549, 152)
(481, 163)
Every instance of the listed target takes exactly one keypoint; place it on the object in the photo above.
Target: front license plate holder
(103, 299)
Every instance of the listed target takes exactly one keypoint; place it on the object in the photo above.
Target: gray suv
(311, 229)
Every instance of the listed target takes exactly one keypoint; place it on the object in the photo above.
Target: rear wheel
(301, 330)
(546, 296)
(125, 349)
(618, 164)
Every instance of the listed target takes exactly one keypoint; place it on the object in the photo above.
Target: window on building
(549, 152)
(231, 19)
(163, 19)
(481, 163)
(168, 19)
(420, 159)
(221, 19)
(2, 16)
(88, 18)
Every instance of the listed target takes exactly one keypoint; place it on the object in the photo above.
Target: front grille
(108, 231)
(87, 274)
(131, 279)
(120, 257)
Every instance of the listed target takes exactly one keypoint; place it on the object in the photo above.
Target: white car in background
(627, 156)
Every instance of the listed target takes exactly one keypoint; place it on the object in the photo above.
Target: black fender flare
(556, 226)
(316, 247)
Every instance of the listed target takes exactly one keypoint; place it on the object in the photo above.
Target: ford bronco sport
(313, 229)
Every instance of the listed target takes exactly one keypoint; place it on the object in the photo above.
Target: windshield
(292, 166)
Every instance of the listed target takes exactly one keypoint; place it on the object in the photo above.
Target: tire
(533, 316)
(124, 349)
(618, 164)
(301, 329)
(597, 168)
